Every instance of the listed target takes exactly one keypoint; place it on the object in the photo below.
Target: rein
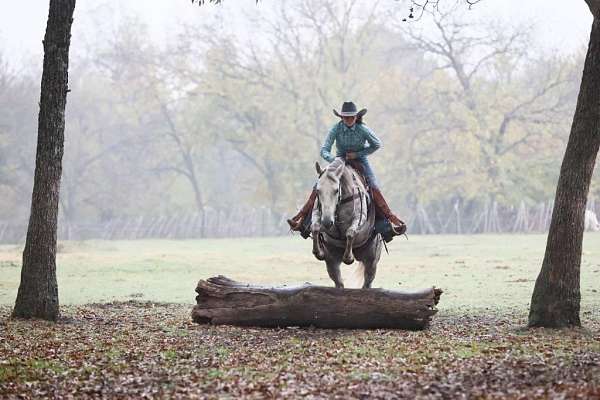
(350, 198)
(357, 194)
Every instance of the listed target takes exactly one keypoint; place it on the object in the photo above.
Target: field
(126, 331)
(482, 271)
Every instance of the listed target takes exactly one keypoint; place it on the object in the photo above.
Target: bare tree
(188, 143)
(492, 67)
(556, 297)
(38, 290)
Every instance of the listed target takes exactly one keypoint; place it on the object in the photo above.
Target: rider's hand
(350, 155)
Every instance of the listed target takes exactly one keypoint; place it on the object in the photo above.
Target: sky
(559, 25)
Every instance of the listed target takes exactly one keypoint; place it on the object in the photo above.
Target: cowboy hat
(349, 110)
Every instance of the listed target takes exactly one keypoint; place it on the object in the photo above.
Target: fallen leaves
(149, 350)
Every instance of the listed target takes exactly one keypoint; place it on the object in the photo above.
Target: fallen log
(222, 301)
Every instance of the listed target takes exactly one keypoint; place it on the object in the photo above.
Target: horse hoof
(348, 260)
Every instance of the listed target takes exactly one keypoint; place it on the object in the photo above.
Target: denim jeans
(368, 171)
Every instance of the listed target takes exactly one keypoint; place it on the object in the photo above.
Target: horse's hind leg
(333, 269)
(370, 262)
(370, 270)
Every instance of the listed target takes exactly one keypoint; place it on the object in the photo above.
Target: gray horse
(343, 221)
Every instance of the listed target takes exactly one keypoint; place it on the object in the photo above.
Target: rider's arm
(372, 139)
(326, 148)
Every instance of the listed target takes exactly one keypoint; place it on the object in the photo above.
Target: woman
(351, 137)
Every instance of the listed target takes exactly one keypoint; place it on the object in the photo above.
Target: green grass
(493, 271)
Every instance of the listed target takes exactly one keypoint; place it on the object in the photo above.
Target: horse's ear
(318, 168)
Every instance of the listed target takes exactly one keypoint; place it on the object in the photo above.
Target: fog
(187, 121)
(558, 26)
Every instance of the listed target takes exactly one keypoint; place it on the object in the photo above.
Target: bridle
(344, 200)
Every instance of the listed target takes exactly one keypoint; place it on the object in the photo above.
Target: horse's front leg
(318, 250)
(348, 257)
(315, 229)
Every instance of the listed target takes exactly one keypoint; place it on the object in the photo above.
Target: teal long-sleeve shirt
(359, 139)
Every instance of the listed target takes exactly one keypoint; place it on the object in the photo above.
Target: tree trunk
(38, 290)
(556, 296)
(223, 301)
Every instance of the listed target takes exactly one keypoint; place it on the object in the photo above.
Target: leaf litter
(153, 350)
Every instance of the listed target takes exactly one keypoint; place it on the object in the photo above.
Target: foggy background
(187, 121)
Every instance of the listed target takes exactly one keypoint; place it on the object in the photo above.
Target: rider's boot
(296, 221)
(398, 226)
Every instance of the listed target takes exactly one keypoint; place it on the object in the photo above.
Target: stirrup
(394, 231)
(398, 229)
(305, 233)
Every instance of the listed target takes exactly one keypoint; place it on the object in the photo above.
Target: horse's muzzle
(327, 223)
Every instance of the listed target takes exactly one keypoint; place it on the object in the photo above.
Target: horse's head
(328, 189)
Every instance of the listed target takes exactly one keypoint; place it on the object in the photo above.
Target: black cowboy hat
(349, 110)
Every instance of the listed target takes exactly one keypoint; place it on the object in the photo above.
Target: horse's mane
(340, 168)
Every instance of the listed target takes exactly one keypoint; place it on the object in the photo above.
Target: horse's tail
(356, 277)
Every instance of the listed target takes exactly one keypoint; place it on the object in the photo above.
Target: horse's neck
(350, 182)
(346, 182)
(349, 179)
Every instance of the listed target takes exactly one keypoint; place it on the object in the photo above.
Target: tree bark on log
(222, 301)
